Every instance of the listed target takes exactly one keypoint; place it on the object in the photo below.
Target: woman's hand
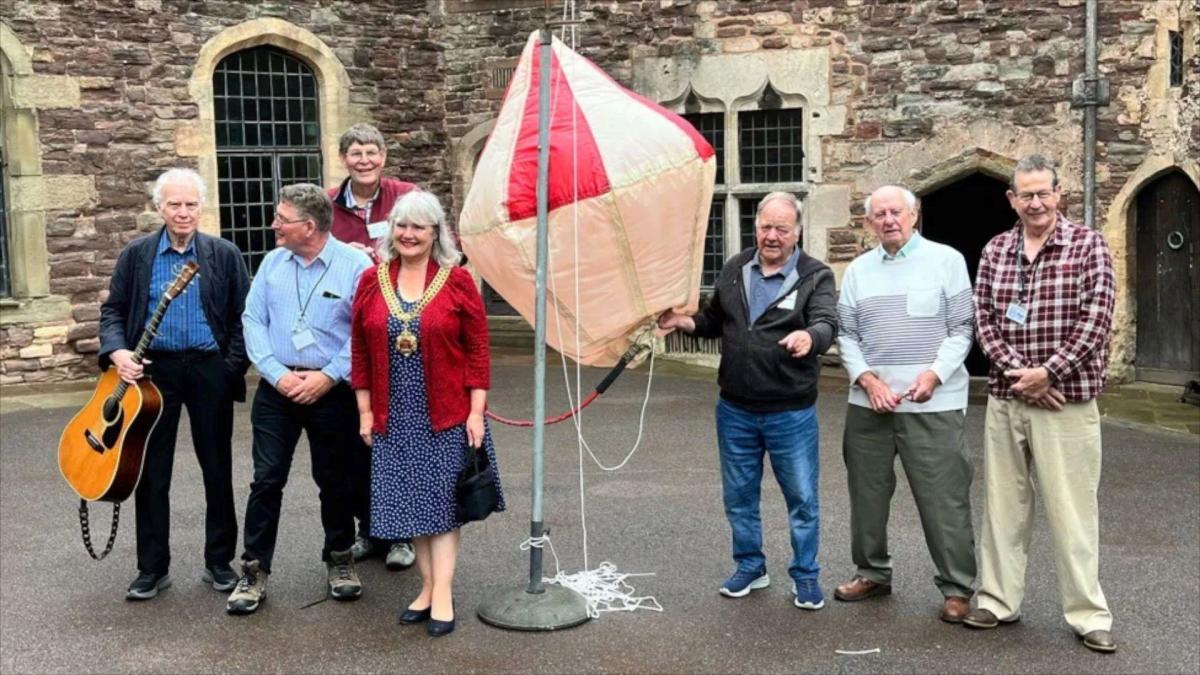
(366, 422)
(475, 430)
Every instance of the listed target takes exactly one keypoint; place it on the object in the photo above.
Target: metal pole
(1089, 118)
(539, 326)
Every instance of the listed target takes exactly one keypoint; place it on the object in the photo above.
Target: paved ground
(62, 612)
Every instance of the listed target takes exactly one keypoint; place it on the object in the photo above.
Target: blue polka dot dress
(414, 469)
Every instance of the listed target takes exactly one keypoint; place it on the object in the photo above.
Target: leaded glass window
(770, 146)
(268, 136)
(1176, 40)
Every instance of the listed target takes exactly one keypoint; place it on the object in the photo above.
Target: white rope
(604, 588)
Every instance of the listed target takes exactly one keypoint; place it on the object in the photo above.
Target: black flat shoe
(411, 616)
(437, 628)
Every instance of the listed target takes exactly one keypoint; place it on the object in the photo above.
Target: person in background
(360, 207)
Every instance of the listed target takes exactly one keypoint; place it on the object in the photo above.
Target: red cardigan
(453, 343)
(348, 226)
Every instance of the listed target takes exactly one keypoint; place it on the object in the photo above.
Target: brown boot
(860, 588)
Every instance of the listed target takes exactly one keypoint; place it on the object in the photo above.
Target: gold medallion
(406, 343)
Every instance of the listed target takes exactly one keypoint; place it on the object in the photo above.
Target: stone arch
(464, 151)
(957, 149)
(1119, 230)
(333, 84)
(25, 187)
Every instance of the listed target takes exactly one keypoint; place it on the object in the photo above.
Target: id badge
(1016, 313)
(303, 339)
(378, 229)
(789, 301)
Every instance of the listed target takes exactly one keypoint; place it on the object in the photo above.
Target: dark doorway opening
(1168, 280)
(966, 214)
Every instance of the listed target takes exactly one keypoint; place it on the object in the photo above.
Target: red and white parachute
(629, 195)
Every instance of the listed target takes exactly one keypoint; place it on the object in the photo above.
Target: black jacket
(223, 283)
(756, 373)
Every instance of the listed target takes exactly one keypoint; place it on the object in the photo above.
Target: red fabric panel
(576, 169)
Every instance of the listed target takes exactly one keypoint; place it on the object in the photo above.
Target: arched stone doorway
(1166, 223)
(966, 214)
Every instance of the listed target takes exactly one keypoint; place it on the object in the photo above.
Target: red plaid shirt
(1069, 293)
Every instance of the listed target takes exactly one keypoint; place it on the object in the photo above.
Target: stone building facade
(98, 97)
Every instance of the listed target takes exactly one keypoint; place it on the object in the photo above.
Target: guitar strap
(87, 534)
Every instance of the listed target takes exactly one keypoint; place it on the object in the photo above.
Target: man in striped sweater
(907, 315)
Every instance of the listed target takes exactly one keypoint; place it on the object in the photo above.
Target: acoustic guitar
(102, 449)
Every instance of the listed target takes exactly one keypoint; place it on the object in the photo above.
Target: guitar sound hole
(112, 410)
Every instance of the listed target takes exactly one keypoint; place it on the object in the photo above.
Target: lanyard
(1021, 261)
(304, 304)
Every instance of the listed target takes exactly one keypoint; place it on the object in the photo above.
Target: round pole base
(518, 609)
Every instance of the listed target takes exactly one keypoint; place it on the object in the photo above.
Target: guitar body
(103, 447)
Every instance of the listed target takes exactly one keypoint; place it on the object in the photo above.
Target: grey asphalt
(662, 513)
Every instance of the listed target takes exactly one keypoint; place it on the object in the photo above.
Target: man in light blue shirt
(297, 325)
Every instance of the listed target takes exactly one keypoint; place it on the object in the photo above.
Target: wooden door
(1168, 280)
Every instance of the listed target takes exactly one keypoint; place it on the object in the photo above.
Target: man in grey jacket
(775, 310)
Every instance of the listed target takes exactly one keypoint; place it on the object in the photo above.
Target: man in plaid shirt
(1044, 304)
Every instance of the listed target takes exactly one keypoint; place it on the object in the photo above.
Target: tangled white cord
(604, 588)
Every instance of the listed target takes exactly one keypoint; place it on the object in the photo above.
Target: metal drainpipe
(1089, 120)
(1089, 92)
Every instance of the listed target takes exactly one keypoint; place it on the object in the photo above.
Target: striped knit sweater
(903, 315)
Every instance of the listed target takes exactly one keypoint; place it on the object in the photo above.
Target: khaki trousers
(1063, 449)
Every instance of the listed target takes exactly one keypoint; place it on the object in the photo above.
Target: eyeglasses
(279, 220)
(1027, 197)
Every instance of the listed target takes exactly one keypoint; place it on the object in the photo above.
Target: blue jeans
(790, 438)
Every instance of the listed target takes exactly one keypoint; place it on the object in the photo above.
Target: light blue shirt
(905, 251)
(763, 289)
(288, 297)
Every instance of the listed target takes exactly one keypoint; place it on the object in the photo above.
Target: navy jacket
(756, 373)
(223, 283)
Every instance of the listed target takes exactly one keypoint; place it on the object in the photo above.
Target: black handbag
(476, 492)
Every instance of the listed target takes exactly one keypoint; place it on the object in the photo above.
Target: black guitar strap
(87, 534)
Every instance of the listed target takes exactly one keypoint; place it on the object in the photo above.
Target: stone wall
(927, 91)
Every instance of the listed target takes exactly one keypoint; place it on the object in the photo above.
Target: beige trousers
(1062, 448)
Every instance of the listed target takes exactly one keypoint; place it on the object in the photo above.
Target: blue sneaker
(741, 583)
(808, 594)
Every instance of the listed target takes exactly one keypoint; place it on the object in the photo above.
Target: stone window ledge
(34, 310)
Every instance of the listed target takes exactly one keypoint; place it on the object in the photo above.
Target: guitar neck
(147, 337)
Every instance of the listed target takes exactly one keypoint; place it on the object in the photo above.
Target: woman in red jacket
(420, 372)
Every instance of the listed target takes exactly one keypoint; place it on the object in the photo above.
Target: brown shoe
(1099, 641)
(860, 588)
(954, 609)
(984, 618)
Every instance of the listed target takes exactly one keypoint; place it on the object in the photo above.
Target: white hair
(909, 198)
(422, 208)
(177, 177)
(785, 197)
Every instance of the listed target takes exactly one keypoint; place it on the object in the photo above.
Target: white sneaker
(400, 556)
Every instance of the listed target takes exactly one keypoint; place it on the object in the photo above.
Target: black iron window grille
(714, 243)
(712, 127)
(770, 146)
(268, 136)
(1176, 53)
(747, 215)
